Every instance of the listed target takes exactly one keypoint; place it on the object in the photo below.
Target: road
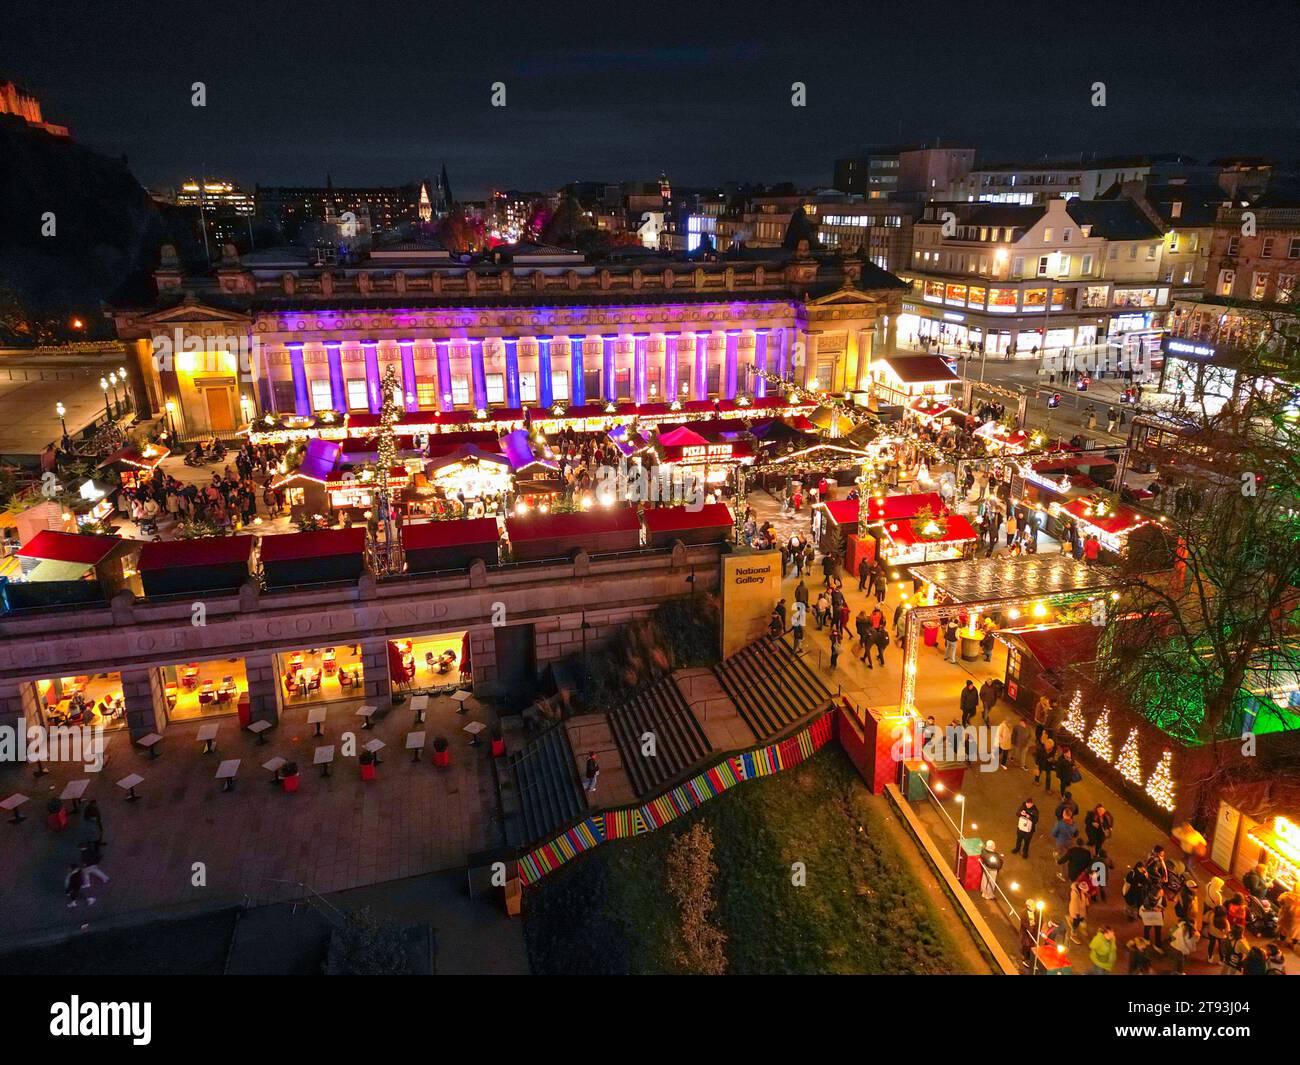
(32, 384)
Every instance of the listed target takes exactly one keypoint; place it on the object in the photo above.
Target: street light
(61, 410)
(171, 416)
(112, 380)
(103, 384)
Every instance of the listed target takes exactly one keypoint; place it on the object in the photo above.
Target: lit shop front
(320, 675)
(928, 538)
(430, 663)
(1097, 515)
(1248, 833)
(204, 689)
(135, 465)
(92, 700)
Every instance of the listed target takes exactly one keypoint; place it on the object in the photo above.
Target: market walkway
(992, 799)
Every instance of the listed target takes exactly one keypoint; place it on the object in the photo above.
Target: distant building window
(1293, 249)
(527, 387)
(496, 388)
(559, 385)
(1267, 249)
(322, 397)
(358, 396)
(426, 394)
(460, 390)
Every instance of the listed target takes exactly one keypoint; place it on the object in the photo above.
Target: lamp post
(103, 384)
(112, 380)
(121, 376)
(171, 419)
(61, 410)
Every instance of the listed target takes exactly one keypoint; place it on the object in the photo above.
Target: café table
(207, 735)
(11, 804)
(226, 773)
(415, 744)
(316, 716)
(322, 757)
(474, 728)
(150, 742)
(461, 696)
(374, 747)
(258, 729)
(273, 766)
(420, 704)
(73, 790)
(129, 784)
(367, 712)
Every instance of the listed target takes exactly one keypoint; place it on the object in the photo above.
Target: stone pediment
(191, 311)
(846, 297)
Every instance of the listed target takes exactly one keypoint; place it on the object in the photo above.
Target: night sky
(384, 92)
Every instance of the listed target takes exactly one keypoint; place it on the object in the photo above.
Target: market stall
(1097, 515)
(450, 545)
(538, 536)
(704, 525)
(313, 557)
(926, 538)
(206, 564)
(135, 464)
(1000, 440)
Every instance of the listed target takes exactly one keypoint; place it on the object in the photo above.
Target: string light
(1099, 741)
(1161, 785)
(1129, 762)
(1074, 723)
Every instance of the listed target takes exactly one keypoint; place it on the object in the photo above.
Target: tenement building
(273, 335)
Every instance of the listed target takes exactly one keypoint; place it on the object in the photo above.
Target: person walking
(1064, 834)
(73, 882)
(882, 586)
(863, 626)
(1152, 916)
(1045, 758)
(1003, 743)
(1066, 771)
(950, 634)
(835, 648)
(1097, 826)
(1042, 712)
(822, 609)
(1067, 803)
(1080, 899)
(1020, 735)
(1102, 951)
(864, 572)
(91, 815)
(881, 637)
(592, 773)
(1026, 823)
(986, 699)
(1184, 940)
(969, 702)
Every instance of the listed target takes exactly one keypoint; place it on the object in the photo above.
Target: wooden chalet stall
(551, 536)
(450, 545)
(313, 557)
(708, 525)
(207, 564)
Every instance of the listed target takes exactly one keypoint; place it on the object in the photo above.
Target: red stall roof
(1123, 520)
(673, 519)
(579, 523)
(81, 548)
(843, 511)
(456, 533)
(1056, 646)
(323, 544)
(904, 507)
(680, 436)
(957, 530)
(205, 551)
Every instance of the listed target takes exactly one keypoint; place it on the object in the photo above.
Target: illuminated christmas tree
(1099, 741)
(386, 449)
(1129, 762)
(1074, 723)
(1161, 785)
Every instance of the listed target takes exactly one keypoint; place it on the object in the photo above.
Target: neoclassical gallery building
(271, 333)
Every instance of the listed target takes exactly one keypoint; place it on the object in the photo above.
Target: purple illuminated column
(760, 363)
(407, 348)
(733, 345)
(782, 351)
(374, 383)
(480, 375)
(609, 342)
(577, 381)
(701, 365)
(443, 348)
(670, 367)
(512, 371)
(301, 394)
(338, 391)
(639, 342)
(544, 397)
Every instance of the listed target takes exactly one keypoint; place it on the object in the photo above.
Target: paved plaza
(255, 842)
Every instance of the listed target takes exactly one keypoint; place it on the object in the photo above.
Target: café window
(426, 393)
(358, 397)
(1096, 296)
(977, 295)
(1002, 300)
(934, 291)
(322, 397)
(527, 387)
(559, 385)
(956, 294)
(1059, 298)
(460, 390)
(1035, 297)
(496, 389)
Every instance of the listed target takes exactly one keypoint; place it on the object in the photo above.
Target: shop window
(976, 295)
(654, 382)
(429, 663)
(591, 386)
(358, 396)
(714, 379)
(527, 387)
(623, 384)
(496, 389)
(322, 397)
(1002, 300)
(426, 393)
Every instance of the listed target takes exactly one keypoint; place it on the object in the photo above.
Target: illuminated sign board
(1189, 348)
(705, 452)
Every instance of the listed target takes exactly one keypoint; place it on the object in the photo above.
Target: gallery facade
(538, 328)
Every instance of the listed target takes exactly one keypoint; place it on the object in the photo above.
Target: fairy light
(1099, 741)
(1129, 762)
(1161, 785)
(1074, 723)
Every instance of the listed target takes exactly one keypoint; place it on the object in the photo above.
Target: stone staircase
(547, 793)
(771, 686)
(679, 742)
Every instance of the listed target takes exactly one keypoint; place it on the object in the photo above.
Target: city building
(1022, 280)
(387, 207)
(273, 334)
(1036, 182)
(223, 209)
(24, 105)
(893, 172)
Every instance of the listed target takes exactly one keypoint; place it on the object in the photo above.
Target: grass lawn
(861, 910)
